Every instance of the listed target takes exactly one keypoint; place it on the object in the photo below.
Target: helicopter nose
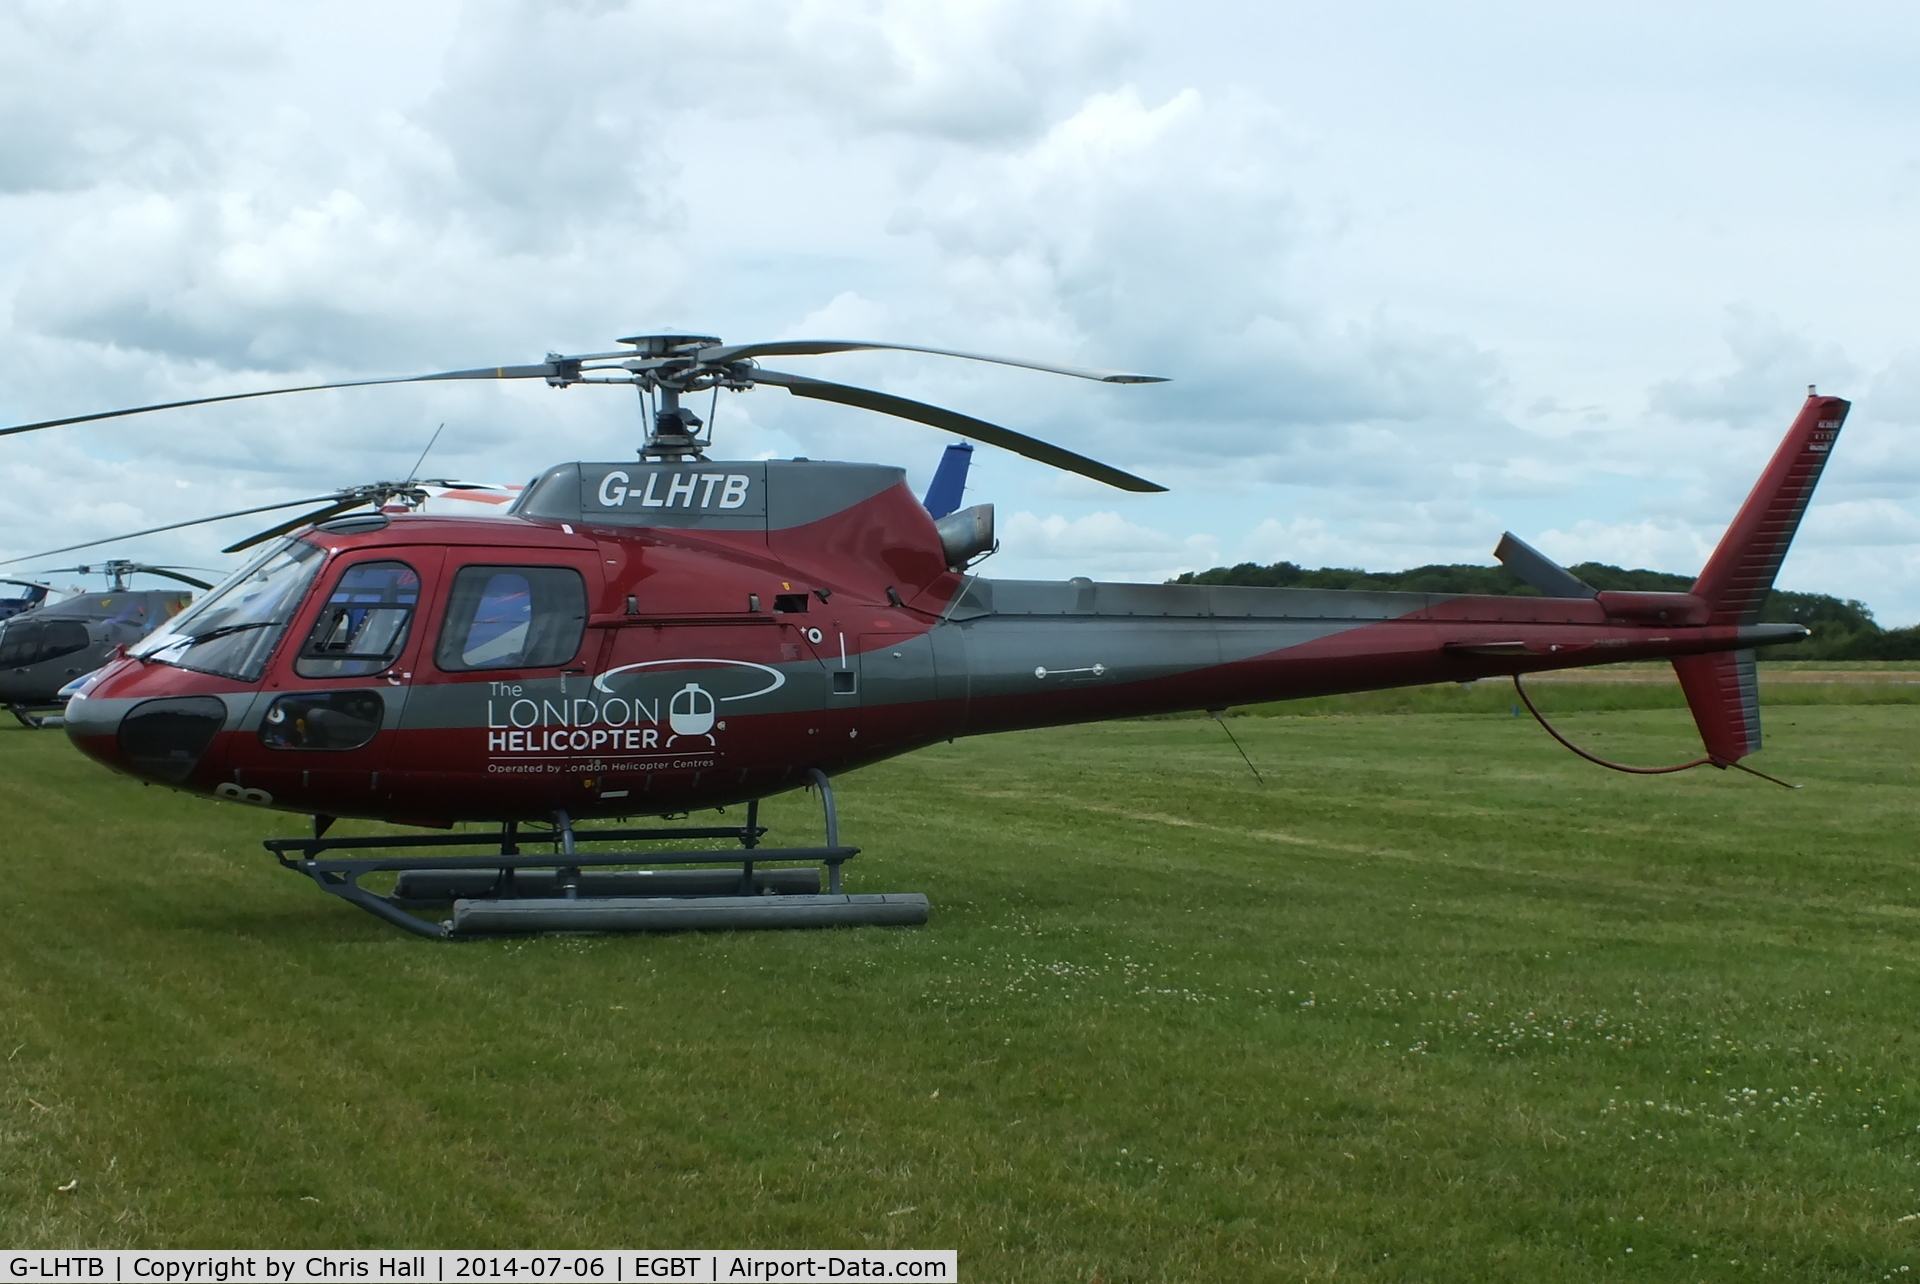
(162, 739)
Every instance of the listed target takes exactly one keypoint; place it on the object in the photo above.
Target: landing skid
(571, 891)
(53, 715)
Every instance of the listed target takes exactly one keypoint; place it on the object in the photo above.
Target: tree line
(1843, 629)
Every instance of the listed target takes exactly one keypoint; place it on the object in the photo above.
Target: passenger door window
(512, 617)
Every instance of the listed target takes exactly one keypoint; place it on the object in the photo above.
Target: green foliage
(1874, 644)
(1437, 1001)
(1843, 629)
(1496, 580)
(1613, 579)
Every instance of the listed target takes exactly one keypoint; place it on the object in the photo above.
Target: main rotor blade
(546, 370)
(119, 567)
(156, 530)
(953, 421)
(823, 347)
(293, 524)
(172, 575)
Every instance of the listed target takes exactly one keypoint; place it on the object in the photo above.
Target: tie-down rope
(1621, 766)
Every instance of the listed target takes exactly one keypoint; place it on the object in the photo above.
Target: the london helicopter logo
(627, 713)
(691, 712)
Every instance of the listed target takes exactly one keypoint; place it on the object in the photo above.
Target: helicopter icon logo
(691, 712)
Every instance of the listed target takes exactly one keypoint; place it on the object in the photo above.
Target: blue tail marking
(949, 480)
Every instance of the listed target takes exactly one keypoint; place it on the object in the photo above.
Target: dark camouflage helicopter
(24, 596)
(43, 648)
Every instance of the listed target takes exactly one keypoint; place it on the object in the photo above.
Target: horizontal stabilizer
(1723, 690)
(1540, 571)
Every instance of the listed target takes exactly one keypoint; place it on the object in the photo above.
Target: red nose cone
(151, 721)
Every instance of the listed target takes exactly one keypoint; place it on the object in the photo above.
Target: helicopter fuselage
(643, 639)
(44, 649)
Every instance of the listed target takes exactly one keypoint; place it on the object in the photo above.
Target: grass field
(1437, 1001)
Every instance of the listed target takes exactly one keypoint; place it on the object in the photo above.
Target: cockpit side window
(27, 642)
(364, 623)
(512, 617)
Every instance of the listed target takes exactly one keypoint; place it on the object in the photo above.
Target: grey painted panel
(554, 494)
(100, 717)
(974, 599)
(1010, 655)
(1230, 600)
(1245, 639)
(717, 495)
(1018, 655)
(1197, 601)
(723, 496)
(1542, 572)
(1142, 599)
(1748, 675)
(801, 491)
(247, 711)
(897, 670)
(96, 717)
(949, 662)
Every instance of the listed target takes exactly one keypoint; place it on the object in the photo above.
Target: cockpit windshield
(232, 630)
(20, 595)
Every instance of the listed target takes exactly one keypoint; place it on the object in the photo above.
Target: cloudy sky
(1418, 274)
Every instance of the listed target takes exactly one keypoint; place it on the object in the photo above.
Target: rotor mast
(667, 366)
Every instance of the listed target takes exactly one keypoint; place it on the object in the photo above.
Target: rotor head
(120, 572)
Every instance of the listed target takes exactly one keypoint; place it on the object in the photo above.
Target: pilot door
(321, 731)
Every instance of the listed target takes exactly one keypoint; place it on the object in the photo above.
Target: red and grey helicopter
(44, 654)
(675, 633)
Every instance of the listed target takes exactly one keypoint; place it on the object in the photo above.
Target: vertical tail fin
(1740, 572)
(949, 486)
(1723, 689)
